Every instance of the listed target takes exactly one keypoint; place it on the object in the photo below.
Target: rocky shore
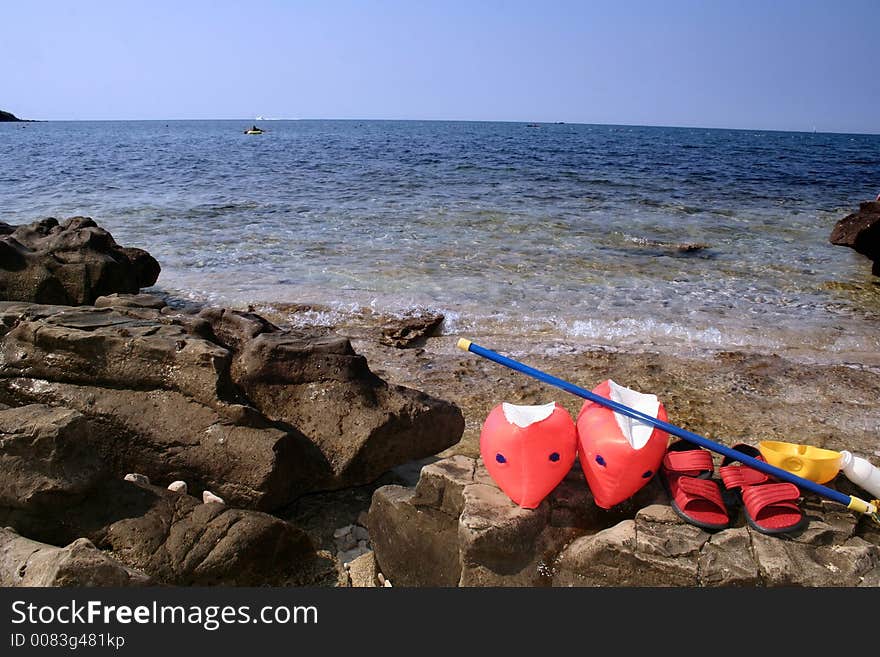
(144, 441)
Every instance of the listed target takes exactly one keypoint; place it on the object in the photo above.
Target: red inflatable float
(619, 454)
(528, 450)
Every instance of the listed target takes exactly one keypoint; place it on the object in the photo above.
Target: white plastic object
(861, 472)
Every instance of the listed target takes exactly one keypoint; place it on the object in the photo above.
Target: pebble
(208, 497)
(381, 579)
(361, 533)
(137, 478)
(178, 487)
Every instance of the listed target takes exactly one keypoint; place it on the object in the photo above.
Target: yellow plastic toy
(813, 463)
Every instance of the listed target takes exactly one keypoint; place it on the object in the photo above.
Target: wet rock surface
(860, 231)
(410, 331)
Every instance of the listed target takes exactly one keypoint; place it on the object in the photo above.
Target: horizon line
(614, 125)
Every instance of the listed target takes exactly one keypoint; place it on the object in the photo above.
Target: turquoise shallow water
(675, 238)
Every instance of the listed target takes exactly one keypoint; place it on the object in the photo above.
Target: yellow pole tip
(464, 344)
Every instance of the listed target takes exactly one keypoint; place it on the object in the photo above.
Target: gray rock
(346, 542)
(612, 557)
(789, 563)
(347, 556)
(726, 560)
(137, 478)
(342, 531)
(72, 263)
(27, 563)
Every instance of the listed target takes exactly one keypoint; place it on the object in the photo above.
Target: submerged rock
(409, 331)
(71, 263)
(860, 231)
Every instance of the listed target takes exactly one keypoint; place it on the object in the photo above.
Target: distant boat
(259, 118)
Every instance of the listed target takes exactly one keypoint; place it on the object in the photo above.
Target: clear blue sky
(772, 64)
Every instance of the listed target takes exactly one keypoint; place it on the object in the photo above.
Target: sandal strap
(736, 476)
(692, 461)
(756, 498)
(690, 489)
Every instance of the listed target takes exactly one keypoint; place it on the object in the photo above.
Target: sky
(770, 64)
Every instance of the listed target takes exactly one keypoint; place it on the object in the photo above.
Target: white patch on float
(523, 416)
(637, 433)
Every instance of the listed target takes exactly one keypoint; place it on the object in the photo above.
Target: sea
(686, 240)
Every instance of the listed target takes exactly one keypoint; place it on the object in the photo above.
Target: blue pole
(733, 454)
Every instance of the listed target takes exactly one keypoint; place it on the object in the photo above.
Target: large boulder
(860, 231)
(318, 384)
(47, 457)
(223, 400)
(180, 540)
(70, 263)
(27, 563)
(457, 528)
(100, 346)
(177, 539)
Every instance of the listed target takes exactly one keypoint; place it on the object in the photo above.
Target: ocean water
(689, 240)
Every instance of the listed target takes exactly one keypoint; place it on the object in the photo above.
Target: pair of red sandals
(770, 506)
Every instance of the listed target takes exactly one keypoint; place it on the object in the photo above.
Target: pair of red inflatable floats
(528, 450)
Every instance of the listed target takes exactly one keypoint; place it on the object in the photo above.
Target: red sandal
(685, 472)
(770, 506)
